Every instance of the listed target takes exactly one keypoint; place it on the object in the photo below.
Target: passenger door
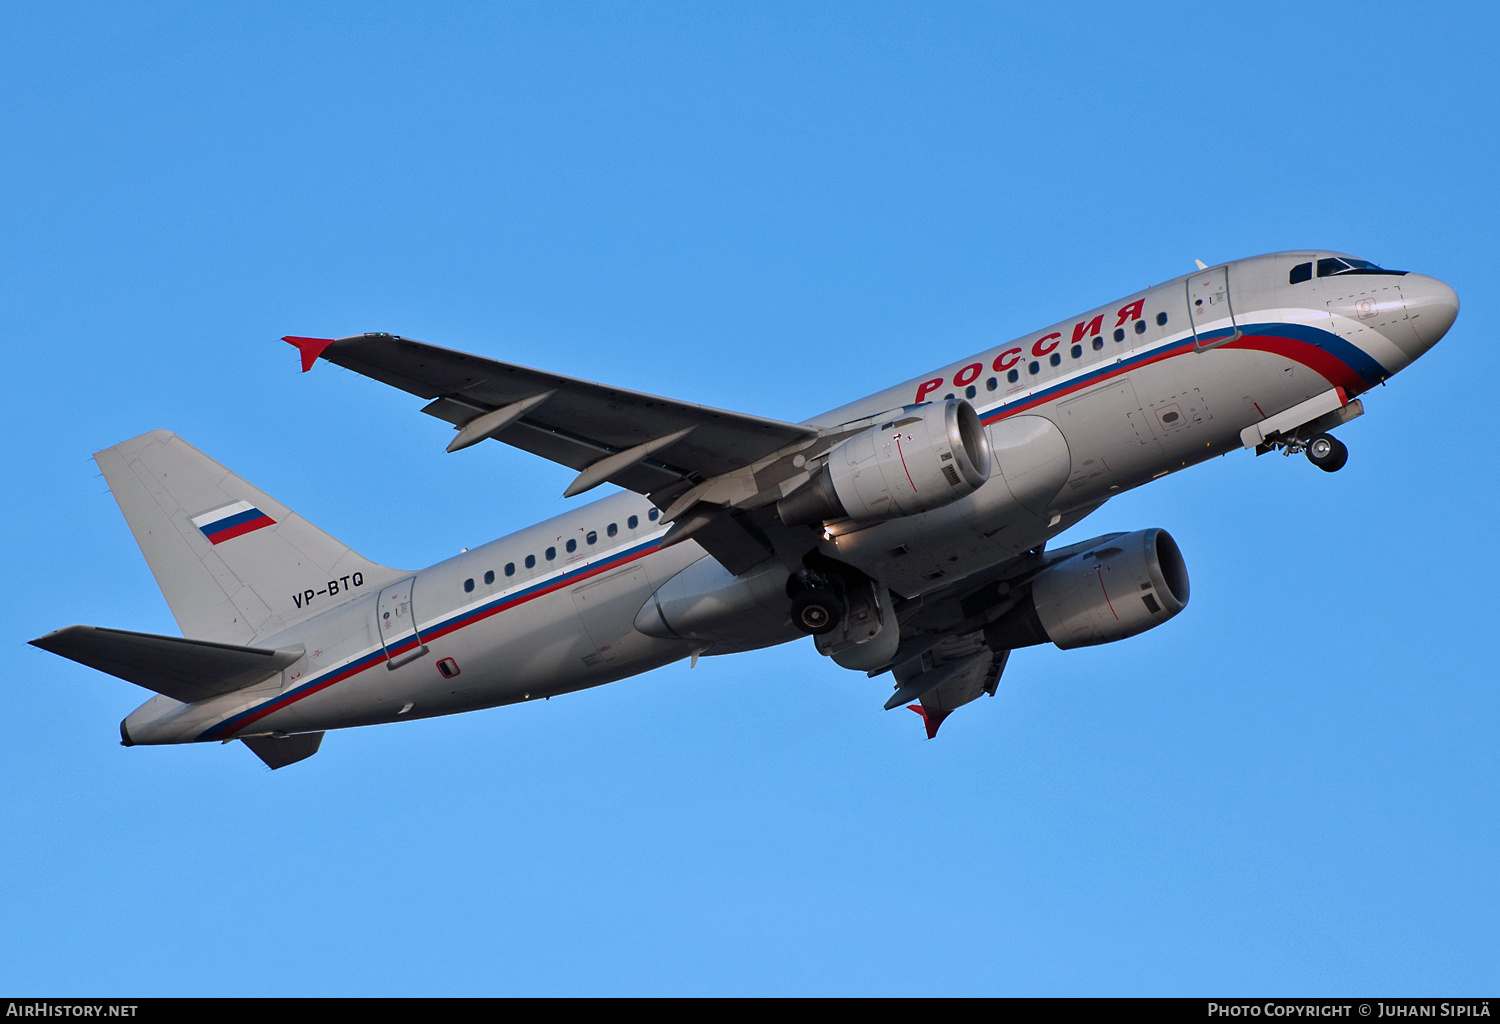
(398, 624)
(1209, 309)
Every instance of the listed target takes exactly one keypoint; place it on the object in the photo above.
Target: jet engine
(1125, 585)
(920, 458)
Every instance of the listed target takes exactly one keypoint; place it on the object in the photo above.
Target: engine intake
(920, 458)
(1125, 585)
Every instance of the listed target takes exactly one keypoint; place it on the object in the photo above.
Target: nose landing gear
(1327, 453)
(1323, 450)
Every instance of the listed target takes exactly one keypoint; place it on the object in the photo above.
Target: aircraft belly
(919, 553)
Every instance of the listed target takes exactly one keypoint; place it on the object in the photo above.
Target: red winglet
(931, 719)
(311, 348)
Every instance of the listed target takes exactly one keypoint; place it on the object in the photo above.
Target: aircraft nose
(1431, 304)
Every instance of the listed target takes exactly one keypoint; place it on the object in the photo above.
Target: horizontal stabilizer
(185, 670)
(280, 751)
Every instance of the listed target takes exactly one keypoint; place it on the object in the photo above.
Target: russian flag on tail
(231, 521)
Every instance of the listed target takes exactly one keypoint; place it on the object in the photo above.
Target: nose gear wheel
(1327, 453)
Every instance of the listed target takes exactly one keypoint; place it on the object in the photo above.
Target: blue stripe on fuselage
(430, 632)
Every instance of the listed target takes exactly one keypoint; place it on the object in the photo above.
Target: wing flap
(185, 670)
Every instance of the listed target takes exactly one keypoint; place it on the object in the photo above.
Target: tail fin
(234, 563)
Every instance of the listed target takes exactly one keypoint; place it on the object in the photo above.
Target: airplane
(905, 532)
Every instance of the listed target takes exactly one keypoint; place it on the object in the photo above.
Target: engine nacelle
(1124, 586)
(919, 459)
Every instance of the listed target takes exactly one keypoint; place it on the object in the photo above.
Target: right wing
(711, 472)
(654, 446)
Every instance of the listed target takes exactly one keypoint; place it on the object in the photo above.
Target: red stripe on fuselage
(1325, 364)
(1328, 366)
(288, 701)
(1332, 369)
(469, 620)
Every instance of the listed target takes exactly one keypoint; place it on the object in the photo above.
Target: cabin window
(633, 522)
(572, 545)
(948, 397)
(551, 553)
(1301, 272)
(991, 384)
(1119, 334)
(1013, 376)
(1161, 319)
(468, 586)
(1098, 344)
(613, 529)
(970, 391)
(592, 538)
(531, 561)
(510, 568)
(1035, 367)
(1140, 327)
(489, 577)
(656, 512)
(1077, 351)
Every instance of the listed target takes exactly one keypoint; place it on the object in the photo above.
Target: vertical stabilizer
(234, 564)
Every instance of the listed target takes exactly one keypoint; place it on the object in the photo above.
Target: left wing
(651, 445)
(954, 645)
(949, 675)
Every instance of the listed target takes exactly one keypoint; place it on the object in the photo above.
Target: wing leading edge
(654, 446)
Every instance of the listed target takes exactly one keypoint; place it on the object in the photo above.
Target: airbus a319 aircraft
(905, 532)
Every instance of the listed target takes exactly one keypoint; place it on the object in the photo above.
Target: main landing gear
(817, 601)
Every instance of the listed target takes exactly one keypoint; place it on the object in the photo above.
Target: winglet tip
(930, 719)
(311, 348)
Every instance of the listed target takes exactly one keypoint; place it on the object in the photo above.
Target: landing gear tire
(1327, 453)
(817, 610)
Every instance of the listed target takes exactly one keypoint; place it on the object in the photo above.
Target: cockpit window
(1333, 266)
(1301, 272)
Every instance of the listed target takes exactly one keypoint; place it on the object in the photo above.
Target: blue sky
(1290, 788)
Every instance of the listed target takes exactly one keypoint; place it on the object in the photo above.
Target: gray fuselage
(1075, 413)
